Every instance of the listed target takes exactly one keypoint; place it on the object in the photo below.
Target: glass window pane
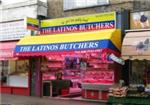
(80, 3)
(74, 4)
(68, 4)
(91, 2)
(100, 2)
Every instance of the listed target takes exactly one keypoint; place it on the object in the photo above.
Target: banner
(13, 30)
(73, 46)
(31, 24)
(79, 23)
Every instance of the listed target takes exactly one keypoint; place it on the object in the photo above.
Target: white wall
(20, 10)
(16, 1)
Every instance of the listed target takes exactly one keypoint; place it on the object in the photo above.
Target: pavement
(7, 99)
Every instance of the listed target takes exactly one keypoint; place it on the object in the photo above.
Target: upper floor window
(75, 4)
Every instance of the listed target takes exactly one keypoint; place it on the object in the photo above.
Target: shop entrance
(61, 76)
(80, 63)
(79, 75)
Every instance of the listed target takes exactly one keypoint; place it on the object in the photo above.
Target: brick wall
(56, 7)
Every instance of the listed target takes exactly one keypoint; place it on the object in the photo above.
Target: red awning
(7, 50)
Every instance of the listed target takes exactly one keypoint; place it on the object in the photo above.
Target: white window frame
(72, 4)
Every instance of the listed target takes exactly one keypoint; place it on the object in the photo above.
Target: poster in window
(140, 20)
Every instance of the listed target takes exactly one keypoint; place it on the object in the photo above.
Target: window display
(15, 73)
(52, 66)
(140, 72)
(4, 71)
(139, 87)
(92, 70)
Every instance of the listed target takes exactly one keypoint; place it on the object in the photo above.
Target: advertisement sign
(79, 23)
(12, 30)
(6, 54)
(140, 20)
(31, 23)
(7, 50)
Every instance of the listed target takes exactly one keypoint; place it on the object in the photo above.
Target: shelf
(72, 77)
(54, 67)
(51, 61)
(101, 62)
(72, 70)
(98, 69)
(55, 64)
(96, 86)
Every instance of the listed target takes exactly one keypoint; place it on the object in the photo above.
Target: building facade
(15, 71)
(63, 11)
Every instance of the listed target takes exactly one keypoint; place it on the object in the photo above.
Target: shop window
(14, 73)
(18, 75)
(4, 71)
(140, 20)
(22, 66)
(75, 4)
(4, 65)
(140, 73)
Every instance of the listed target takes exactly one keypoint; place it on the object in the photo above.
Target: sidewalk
(28, 100)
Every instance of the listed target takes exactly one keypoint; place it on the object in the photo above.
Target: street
(28, 100)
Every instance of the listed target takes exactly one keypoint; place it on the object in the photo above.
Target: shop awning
(136, 45)
(68, 43)
(7, 50)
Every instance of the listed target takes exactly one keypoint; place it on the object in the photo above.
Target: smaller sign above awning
(136, 45)
(7, 50)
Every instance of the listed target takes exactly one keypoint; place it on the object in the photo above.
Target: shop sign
(117, 59)
(12, 30)
(31, 23)
(140, 20)
(6, 53)
(79, 23)
(74, 46)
